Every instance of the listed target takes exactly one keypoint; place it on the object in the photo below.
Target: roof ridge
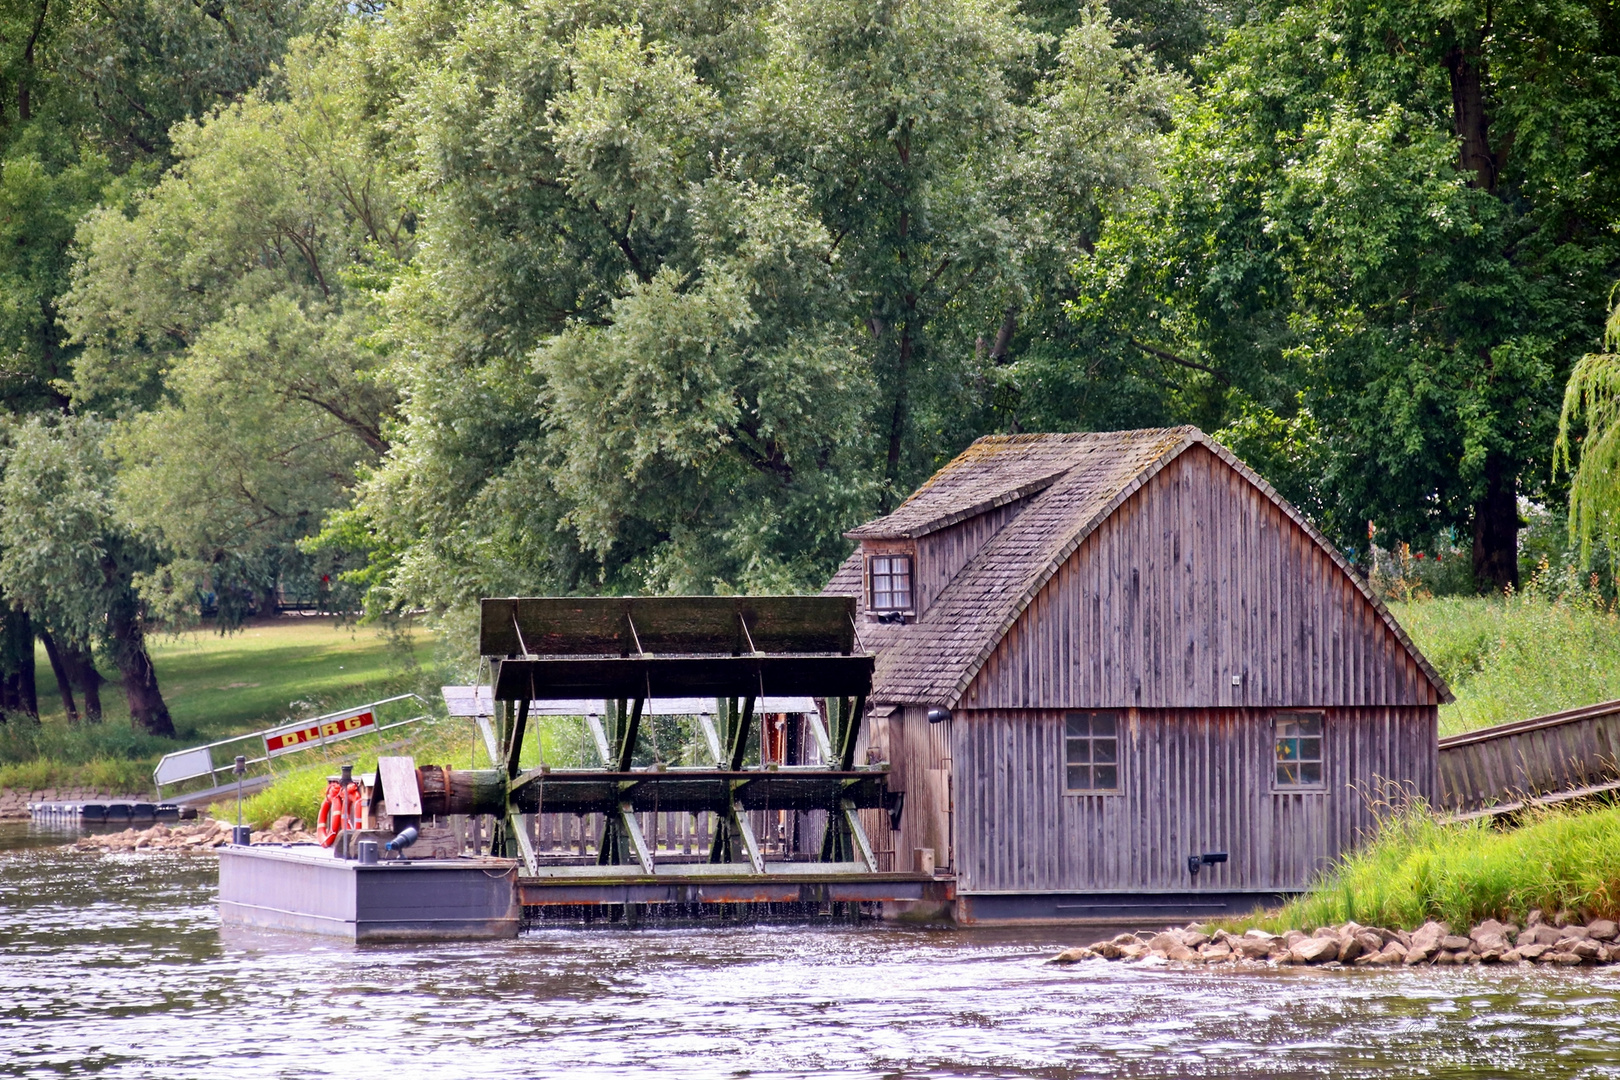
(913, 519)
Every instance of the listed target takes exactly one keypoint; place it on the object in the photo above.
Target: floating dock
(112, 812)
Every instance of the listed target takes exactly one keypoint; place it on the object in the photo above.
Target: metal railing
(260, 747)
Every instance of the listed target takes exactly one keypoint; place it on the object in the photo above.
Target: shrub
(1554, 645)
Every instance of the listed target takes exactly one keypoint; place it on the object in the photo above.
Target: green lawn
(273, 668)
(215, 685)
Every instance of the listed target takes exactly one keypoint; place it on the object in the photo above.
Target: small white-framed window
(1297, 738)
(1091, 752)
(888, 583)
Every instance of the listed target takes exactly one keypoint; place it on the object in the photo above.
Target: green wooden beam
(739, 734)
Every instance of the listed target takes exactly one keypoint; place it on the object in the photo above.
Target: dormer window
(888, 583)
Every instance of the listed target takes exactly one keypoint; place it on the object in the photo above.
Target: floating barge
(306, 889)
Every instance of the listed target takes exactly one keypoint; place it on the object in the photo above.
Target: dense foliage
(435, 299)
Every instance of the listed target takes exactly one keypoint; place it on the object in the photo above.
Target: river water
(116, 966)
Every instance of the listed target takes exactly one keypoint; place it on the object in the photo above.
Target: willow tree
(226, 315)
(1592, 404)
(700, 285)
(67, 554)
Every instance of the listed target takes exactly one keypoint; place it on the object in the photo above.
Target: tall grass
(1417, 868)
(1554, 645)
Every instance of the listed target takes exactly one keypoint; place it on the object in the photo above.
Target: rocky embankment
(14, 801)
(197, 837)
(1563, 940)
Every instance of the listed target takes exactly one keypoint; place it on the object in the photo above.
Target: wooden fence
(1567, 755)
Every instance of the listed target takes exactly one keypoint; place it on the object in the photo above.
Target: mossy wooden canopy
(673, 646)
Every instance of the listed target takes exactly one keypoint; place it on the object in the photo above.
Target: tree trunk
(81, 667)
(1469, 120)
(17, 690)
(1496, 528)
(64, 681)
(28, 690)
(147, 710)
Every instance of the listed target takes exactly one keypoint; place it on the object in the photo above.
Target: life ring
(353, 808)
(343, 810)
(329, 822)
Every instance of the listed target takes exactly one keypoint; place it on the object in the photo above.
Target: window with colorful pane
(1299, 749)
(1091, 751)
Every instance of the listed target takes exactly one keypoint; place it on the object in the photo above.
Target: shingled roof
(1072, 482)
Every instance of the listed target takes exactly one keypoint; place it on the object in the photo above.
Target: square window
(1091, 751)
(1298, 739)
(888, 583)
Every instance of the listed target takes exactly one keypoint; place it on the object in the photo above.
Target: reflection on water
(117, 967)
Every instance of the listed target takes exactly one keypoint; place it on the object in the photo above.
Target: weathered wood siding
(1506, 763)
(919, 754)
(1190, 781)
(1195, 578)
(941, 555)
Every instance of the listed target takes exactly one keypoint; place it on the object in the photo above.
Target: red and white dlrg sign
(330, 729)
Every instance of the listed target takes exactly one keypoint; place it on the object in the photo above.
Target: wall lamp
(1208, 858)
(938, 716)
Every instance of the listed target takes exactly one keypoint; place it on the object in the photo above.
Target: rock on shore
(1564, 940)
(202, 836)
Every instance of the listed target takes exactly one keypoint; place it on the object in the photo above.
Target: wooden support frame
(599, 736)
(739, 735)
(745, 834)
(712, 738)
(628, 732)
(630, 831)
(857, 833)
(849, 731)
(568, 678)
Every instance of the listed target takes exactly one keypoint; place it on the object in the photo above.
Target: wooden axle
(484, 791)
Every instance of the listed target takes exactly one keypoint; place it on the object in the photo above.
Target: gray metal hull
(304, 889)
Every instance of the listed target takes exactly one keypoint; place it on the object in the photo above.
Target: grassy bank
(274, 669)
(1514, 657)
(1417, 869)
(299, 792)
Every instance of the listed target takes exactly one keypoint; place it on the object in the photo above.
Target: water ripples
(117, 967)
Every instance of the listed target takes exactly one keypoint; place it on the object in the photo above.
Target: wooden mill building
(1102, 655)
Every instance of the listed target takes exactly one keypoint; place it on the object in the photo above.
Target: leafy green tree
(1404, 209)
(88, 93)
(728, 297)
(66, 554)
(234, 303)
